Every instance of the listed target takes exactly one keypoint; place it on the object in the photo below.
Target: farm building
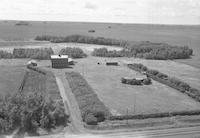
(32, 62)
(59, 61)
(112, 63)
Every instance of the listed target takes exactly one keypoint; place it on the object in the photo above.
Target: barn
(59, 61)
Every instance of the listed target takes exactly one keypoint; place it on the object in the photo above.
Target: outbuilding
(59, 61)
(32, 62)
(112, 63)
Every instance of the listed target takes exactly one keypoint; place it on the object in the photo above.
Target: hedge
(146, 81)
(156, 115)
(37, 69)
(92, 109)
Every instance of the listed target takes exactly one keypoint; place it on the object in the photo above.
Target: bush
(147, 81)
(152, 72)
(73, 52)
(135, 82)
(90, 119)
(161, 75)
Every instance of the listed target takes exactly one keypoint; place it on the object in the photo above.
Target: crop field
(10, 79)
(118, 97)
(176, 35)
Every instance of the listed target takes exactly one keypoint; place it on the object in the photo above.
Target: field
(10, 79)
(118, 97)
(186, 73)
(175, 35)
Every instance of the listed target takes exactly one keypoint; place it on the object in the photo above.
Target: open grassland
(175, 35)
(10, 79)
(118, 97)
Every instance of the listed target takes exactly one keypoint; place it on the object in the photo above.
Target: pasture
(175, 35)
(118, 97)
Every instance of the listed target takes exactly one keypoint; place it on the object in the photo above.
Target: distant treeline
(143, 49)
(34, 53)
(83, 39)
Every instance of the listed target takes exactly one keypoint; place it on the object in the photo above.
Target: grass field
(186, 73)
(119, 97)
(176, 35)
(10, 79)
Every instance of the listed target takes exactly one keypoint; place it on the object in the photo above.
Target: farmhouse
(59, 61)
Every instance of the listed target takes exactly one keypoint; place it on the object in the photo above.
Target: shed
(32, 62)
(70, 61)
(112, 63)
(59, 61)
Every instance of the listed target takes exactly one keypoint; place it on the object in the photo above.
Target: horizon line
(99, 22)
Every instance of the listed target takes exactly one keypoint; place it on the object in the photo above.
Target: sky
(120, 11)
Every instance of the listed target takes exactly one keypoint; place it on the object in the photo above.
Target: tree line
(34, 53)
(161, 52)
(82, 39)
(143, 49)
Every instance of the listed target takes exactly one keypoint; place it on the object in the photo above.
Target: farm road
(70, 102)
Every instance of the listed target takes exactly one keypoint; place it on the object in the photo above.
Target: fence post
(127, 116)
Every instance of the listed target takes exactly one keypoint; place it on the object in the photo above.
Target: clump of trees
(92, 109)
(170, 81)
(34, 53)
(73, 52)
(28, 112)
